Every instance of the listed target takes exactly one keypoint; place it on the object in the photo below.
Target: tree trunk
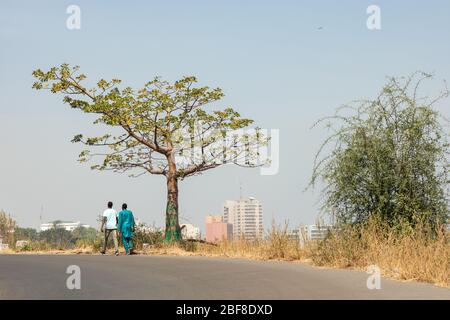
(173, 232)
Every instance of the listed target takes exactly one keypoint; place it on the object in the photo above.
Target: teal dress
(126, 227)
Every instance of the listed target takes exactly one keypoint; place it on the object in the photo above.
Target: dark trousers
(113, 233)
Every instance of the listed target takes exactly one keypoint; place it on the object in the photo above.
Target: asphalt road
(164, 277)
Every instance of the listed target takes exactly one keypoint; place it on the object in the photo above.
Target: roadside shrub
(420, 253)
(95, 244)
(280, 245)
(150, 235)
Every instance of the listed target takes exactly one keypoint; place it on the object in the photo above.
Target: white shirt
(111, 216)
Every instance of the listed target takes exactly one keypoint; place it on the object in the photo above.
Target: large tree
(164, 129)
(387, 157)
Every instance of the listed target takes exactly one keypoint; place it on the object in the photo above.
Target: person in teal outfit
(126, 228)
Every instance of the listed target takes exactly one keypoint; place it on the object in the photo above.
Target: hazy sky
(283, 63)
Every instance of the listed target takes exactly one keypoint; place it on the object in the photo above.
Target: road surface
(166, 277)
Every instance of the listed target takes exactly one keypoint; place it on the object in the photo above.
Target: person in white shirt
(109, 227)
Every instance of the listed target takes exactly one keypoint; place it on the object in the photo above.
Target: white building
(294, 234)
(189, 231)
(246, 217)
(313, 232)
(69, 226)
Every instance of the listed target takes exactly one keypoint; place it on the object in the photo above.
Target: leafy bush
(150, 235)
(387, 157)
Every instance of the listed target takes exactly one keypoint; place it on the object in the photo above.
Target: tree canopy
(157, 120)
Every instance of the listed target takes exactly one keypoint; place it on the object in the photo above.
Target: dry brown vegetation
(417, 254)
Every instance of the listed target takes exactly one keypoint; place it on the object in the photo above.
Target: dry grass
(51, 251)
(416, 254)
(278, 246)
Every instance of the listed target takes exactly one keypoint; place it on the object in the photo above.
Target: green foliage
(58, 238)
(26, 234)
(388, 158)
(82, 233)
(27, 247)
(144, 234)
(158, 121)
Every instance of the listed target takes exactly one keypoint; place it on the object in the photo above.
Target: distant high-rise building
(246, 217)
(294, 234)
(214, 219)
(217, 229)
